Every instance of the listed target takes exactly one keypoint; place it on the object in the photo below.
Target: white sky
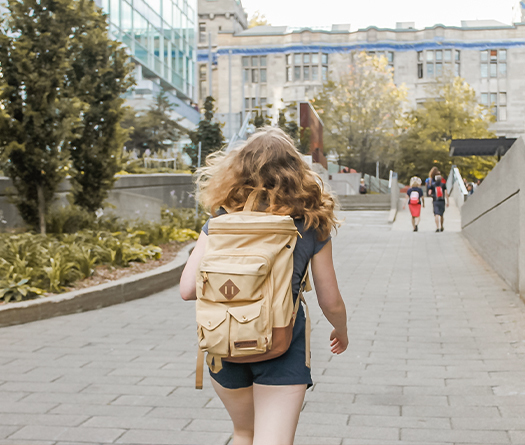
(380, 13)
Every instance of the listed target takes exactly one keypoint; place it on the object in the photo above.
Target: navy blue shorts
(287, 369)
(439, 208)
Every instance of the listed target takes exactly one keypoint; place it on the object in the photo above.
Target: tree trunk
(41, 208)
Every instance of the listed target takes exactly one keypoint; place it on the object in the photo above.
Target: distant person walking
(362, 187)
(415, 200)
(431, 178)
(440, 196)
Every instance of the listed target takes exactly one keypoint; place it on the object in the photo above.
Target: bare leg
(417, 221)
(277, 410)
(442, 221)
(413, 222)
(239, 404)
(437, 218)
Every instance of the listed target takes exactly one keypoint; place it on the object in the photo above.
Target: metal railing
(456, 186)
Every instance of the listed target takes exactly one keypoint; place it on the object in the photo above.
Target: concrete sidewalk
(436, 357)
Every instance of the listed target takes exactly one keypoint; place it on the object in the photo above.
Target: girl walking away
(430, 180)
(415, 200)
(267, 176)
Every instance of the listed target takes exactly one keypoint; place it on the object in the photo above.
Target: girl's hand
(339, 342)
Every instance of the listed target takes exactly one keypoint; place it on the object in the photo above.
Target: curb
(96, 297)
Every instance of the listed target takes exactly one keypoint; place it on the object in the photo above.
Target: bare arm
(447, 196)
(329, 297)
(188, 282)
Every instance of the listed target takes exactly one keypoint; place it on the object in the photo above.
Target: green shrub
(68, 219)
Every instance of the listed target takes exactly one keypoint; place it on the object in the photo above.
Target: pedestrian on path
(362, 187)
(439, 197)
(431, 178)
(264, 399)
(414, 198)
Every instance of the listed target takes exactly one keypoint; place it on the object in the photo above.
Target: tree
(360, 107)
(208, 133)
(257, 19)
(452, 113)
(155, 129)
(287, 121)
(99, 76)
(39, 115)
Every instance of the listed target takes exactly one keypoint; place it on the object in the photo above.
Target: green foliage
(208, 133)
(99, 75)
(360, 107)
(31, 265)
(69, 219)
(39, 114)
(453, 113)
(257, 19)
(287, 120)
(60, 96)
(155, 129)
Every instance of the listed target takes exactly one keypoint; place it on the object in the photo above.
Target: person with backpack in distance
(271, 218)
(431, 178)
(415, 200)
(439, 196)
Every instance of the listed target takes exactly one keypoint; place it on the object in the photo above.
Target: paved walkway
(437, 356)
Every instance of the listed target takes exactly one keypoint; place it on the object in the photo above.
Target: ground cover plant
(32, 265)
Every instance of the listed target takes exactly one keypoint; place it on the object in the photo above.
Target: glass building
(160, 37)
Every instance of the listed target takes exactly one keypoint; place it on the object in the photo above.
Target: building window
(254, 69)
(305, 66)
(388, 54)
(497, 102)
(438, 62)
(202, 32)
(493, 63)
(256, 105)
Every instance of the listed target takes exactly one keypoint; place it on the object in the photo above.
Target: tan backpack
(245, 310)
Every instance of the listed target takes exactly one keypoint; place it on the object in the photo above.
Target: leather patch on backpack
(245, 344)
(229, 289)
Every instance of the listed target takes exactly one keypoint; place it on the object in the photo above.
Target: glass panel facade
(160, 34)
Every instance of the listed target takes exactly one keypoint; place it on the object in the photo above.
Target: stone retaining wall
(491, 217)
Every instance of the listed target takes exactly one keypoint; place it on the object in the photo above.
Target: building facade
(160, 36)
(270, 64)
(215, 17)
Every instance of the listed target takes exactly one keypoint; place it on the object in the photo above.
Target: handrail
(459, 193)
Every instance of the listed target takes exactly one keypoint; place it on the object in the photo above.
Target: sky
(380, 13)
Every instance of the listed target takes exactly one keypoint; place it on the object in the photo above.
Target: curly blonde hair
(268, 161)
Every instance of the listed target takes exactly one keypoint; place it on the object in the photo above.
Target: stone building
(261, 65)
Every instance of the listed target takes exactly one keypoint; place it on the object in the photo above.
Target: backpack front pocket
(213, 328)
(232, 277)
(249, 329)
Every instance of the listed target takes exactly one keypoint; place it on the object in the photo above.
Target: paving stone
(456, 436)
(147, 437)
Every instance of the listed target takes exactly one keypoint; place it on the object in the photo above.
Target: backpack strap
(305, 286)
(252, 198)
(199, 371)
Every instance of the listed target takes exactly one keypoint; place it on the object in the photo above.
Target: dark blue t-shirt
(443, 186)
(415, 189)
(305, 249)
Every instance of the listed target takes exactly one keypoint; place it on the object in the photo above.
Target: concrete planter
(96, 297)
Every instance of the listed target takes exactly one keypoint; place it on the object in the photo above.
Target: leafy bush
(31, 265)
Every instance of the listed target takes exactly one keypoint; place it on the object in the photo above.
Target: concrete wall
(133, 196)
(345, 184)
(490, 218)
